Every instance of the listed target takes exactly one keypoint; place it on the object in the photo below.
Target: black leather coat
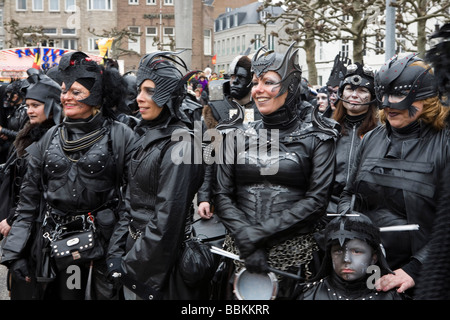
(346, 148)
(68, 186)
(158, 198)
(262, 209)
(398, 191)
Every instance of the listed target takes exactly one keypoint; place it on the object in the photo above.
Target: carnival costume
(396, 170)
(273, 202)
(328, 285)
(146, 246)
(73, 184)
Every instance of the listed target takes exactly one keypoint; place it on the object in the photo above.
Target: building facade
(239, 31)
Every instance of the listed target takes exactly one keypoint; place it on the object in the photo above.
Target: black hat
(339, 70)
(398, 77)
(358, 75)
(44, 89)
(439, 57)
(78, 67)
(356, 226)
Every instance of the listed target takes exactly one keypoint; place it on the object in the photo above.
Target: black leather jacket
(260, 208)
(397, 191)
(69, 187)
(148, 239)
(346, 148)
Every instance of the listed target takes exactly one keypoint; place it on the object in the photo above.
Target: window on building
(71, 6)
(69, 44)
(401, 45)
(271, 42)
(238, 44)
(38, 5)
(53, 5)
(207, 50)
(2, 45)
(345, 48)
(134, 45)
(228, 22)
(92, 44)
(99, 5)
(48, 43)
(133, 2)
(257, 41)
(168, 36)
(150, 34)
(68, 31)
(244, 45)
(236, 20)
(263, 16)
(379, 46)
(320, 50)
(21, 5)
(168, 2)
(49, 31)
(151, 2)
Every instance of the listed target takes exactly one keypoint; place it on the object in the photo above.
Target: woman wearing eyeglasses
(357, 113)
(397, 168)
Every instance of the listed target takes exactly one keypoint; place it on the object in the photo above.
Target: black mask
(240, 83)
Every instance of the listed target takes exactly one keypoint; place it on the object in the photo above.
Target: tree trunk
(310, 49)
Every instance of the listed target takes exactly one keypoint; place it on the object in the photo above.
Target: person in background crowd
(13, 115)
(130, 100)
(147, 243)
(357, 114)
(323, 102)
(222, 107)
(272, 204)
(352, 248)
(203, 81)
(398, 165)
(44, 111)
(434, 281)
(198, 96)
(336, 76)
(76, 173)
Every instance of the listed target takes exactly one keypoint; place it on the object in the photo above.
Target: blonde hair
(434, 113)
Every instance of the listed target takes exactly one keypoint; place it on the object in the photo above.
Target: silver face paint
(350, 262)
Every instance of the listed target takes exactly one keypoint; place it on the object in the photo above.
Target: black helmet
(356, 226)
(77, 66)
(285, 65)
(44, 89)
(358, 75)
(170, 89)
(398, 77)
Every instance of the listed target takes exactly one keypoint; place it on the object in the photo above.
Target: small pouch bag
(76, 247)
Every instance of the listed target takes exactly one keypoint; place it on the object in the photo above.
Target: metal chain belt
(289, 253)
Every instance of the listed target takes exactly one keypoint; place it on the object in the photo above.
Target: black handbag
(197, 264)
(76, 247)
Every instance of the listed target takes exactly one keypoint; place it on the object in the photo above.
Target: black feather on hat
(439, 57)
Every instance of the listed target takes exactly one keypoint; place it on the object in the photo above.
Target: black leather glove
(20, 269)
(114, 269)
(257, 262)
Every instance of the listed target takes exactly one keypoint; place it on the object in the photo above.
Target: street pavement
(4, 293)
